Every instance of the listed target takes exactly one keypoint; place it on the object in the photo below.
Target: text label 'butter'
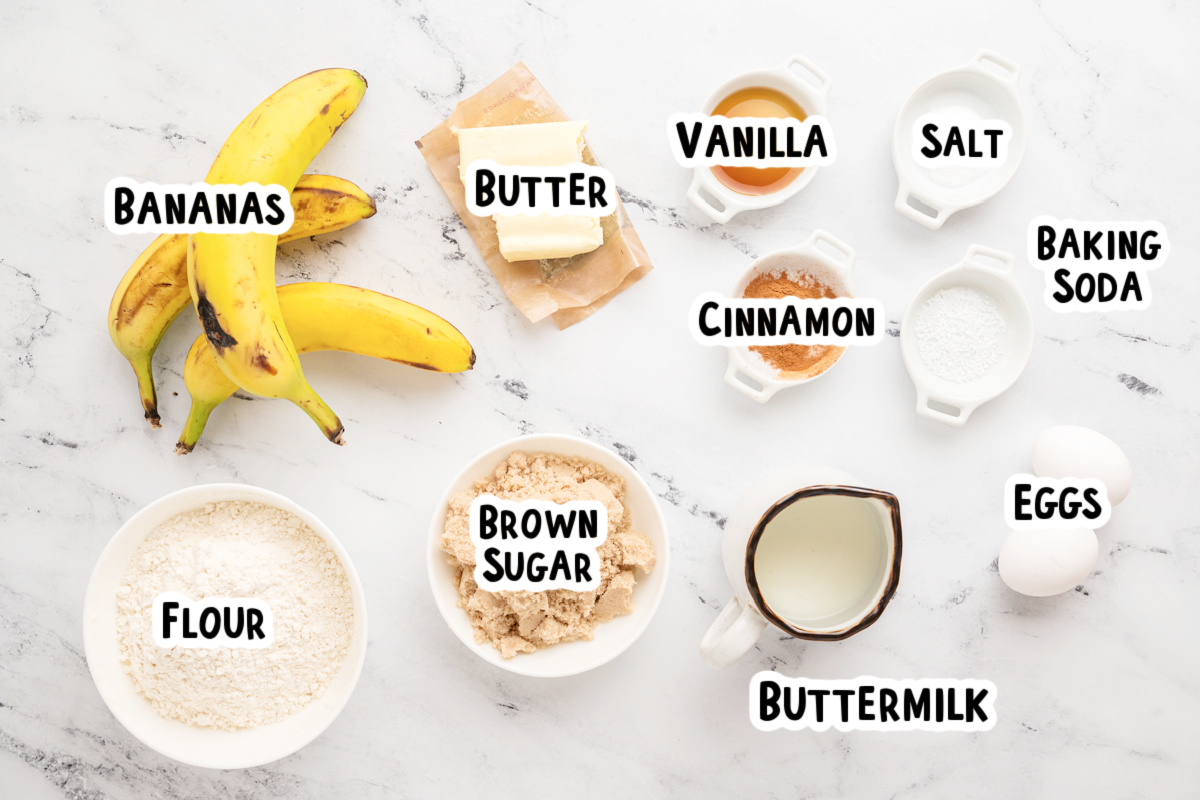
(573, 190)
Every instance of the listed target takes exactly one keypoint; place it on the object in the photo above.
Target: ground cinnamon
(794, 360)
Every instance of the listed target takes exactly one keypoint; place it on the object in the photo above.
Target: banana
(155, 289)
(330, 316)
(232, 276)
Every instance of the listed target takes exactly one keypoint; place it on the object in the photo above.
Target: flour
(237, 549)
(960, 334)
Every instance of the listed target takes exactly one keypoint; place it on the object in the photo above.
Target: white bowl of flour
(186, 705)
(612, 637)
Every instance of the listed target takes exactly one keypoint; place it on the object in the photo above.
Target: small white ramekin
(797, 78)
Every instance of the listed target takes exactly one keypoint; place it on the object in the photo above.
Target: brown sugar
(794, 360)
(524, 622)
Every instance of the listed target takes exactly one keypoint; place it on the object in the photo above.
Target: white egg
(1040, 563)
(1069, 451)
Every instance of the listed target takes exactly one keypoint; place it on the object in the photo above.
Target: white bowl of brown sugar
(821, 267)
(557, 632)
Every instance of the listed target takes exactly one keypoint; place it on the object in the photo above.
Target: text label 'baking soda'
(1032, 502)
(537, 545)
(1096, 266)
(573, 190)
(940, 140)
(132, 207)
(871, 704)
(734, 321)
(178, 621)
(700, 140)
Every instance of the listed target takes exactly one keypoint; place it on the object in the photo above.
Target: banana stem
(145, 380)
(194, 427)
(323, 415)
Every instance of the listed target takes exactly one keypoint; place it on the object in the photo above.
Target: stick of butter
(542, 144)
(524, 238)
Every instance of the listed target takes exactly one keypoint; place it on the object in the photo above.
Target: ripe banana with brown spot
(155, 289)
(232, 276)
(330, 316)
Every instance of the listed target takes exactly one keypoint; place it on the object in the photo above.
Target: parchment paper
(567, 290)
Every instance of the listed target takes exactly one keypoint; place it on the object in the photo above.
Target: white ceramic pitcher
(746, 616)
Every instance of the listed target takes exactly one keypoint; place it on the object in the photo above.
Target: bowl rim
(97, 593)
(482, 465)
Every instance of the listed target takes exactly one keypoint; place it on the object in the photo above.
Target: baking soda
(960, 334)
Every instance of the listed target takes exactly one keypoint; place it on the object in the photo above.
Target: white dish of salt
(982, 89)
(966, 336)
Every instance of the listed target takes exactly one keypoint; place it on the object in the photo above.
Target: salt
(960, 334)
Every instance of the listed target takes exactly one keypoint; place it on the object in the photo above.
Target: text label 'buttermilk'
(871, 704)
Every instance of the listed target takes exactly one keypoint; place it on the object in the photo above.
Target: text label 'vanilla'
(701, 140)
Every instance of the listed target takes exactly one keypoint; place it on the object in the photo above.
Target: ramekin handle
(824, 82)
(1011, 70)
(761, 395)
(723, 215)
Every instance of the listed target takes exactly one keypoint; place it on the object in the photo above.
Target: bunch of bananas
(253, 332)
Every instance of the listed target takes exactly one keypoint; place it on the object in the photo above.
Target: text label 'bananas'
(132, 207)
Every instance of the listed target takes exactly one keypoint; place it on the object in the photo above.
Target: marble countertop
(1098, 690)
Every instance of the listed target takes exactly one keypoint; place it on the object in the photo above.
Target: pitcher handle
(732, 635)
